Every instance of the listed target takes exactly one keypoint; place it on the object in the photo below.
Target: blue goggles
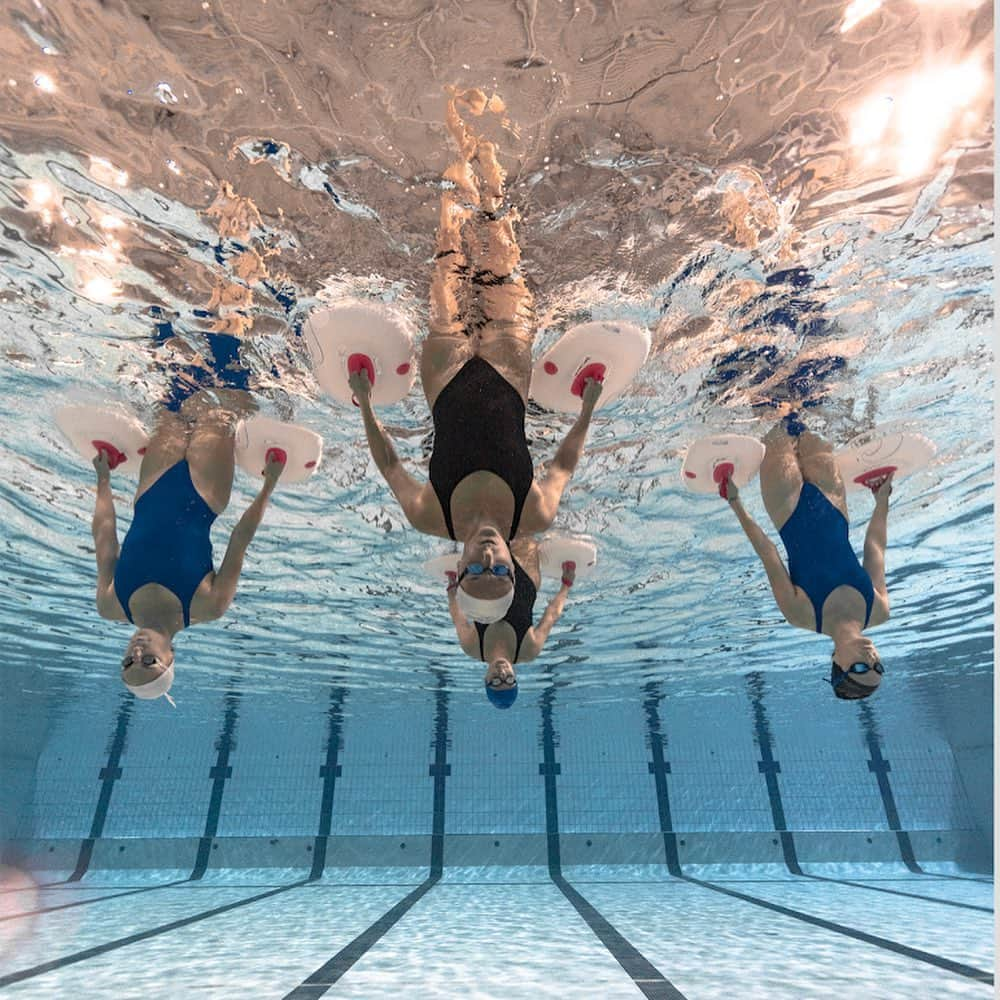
(478, 569)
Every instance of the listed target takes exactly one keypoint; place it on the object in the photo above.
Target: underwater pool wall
(758, 770)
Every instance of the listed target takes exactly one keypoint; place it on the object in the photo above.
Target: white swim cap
(154, 688)
(478, 609)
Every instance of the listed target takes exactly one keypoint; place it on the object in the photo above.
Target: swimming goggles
(478, 569)
(148, 660)
(499, 682)
(857, 668)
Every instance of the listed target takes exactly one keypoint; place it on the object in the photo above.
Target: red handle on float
(595, 370)
(355, 363)
(275, 455)
(874, 478)
(720, 474)
(115, 457)
(358, 361)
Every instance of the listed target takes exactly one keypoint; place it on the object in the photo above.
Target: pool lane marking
(647, 978)
(327, 974)
(93, 899)
(659, 767)
(108, 775)
(899, 892)
(320, 981)
(880, 767)
(329, 772)
(219, 774)
(102, 949)
(960, 968)
(915, 953)
(770, 768)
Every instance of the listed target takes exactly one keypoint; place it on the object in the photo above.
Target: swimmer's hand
(360, 386)
(592, 390)
(102, 466)
(272, 471)
(885, 489)
(732, 491)
(452, 578)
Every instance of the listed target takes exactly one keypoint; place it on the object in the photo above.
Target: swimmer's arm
(777, 575)
(466, 631)
(551, 488)
(536, 638)
(410, 492)
(875, 543)
(224, 583)
(105, 531)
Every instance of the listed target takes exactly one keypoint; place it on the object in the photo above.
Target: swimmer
(161, 578)
(476, 371)
(512, 639)
(825, 588)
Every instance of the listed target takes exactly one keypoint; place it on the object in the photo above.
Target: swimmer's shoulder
(880, 609)
(108, 605)
(423, 510)
(797, 609)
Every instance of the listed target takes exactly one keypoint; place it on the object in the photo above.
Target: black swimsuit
(520, 612)
(479, 426)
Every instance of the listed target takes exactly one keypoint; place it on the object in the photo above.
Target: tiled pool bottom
(872, 931)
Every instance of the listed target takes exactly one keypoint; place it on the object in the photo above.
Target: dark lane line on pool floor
(880, 767)
(93, 899)
(663, 804)
(112, 771)
(103, 949)
(330, 771)
(642, 972)
(320, 981)
(771, 768)
(108, 775)
(960, 968)
(220, 774)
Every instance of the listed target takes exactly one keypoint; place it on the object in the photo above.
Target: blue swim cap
(502, 698)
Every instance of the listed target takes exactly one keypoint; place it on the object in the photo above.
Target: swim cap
(479, 609)
(154, 688)
(502, 697)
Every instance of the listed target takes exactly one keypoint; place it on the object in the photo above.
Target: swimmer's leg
(505, 327)
(780, 477)
(819, 467)
(211, 456)
(446, 347)
(165, 449)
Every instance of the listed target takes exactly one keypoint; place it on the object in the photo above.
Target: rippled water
(797, 208)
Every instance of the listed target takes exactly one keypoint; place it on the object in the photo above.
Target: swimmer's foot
(793, 425)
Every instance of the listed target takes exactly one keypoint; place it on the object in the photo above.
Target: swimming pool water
(797, 202)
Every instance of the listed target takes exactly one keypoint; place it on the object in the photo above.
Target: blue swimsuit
(168, 542)
(820, 557)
